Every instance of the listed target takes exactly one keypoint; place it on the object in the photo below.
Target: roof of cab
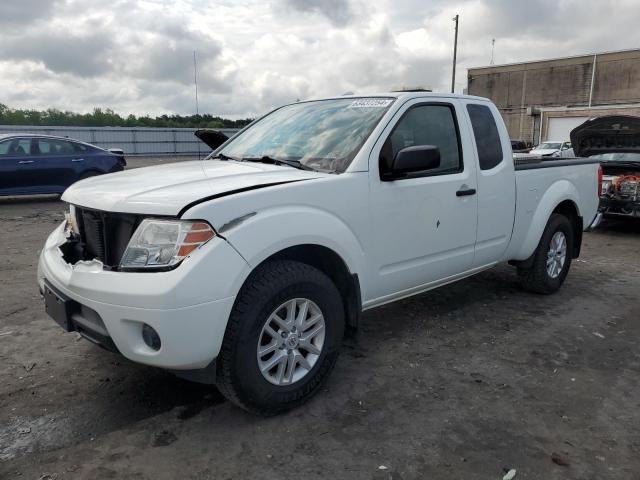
(401, 95)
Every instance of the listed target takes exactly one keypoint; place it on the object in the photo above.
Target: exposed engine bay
(615, 141)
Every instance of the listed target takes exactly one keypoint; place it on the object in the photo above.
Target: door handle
(77, 160)
(465, 192)
(25, 161)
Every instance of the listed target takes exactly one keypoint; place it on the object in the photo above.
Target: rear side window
(54, 147)
(486, 134)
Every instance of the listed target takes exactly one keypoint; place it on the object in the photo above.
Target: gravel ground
(465, 382)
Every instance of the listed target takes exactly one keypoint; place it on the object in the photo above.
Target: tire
(239, 375)
(537, 278)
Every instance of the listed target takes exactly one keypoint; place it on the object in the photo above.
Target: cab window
(485, 132)
(432, 124)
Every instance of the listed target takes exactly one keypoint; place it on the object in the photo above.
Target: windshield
(548, 146)
(618, 157)
(324, 135)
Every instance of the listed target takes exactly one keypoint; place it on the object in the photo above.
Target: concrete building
(545, 100)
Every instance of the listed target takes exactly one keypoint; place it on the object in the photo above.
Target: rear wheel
(282, 339)
(552, 258)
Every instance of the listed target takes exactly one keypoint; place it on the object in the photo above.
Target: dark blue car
(33, 164)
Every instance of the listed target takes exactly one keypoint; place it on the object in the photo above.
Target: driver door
(424, 225)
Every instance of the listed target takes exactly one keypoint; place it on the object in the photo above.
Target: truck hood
(168, 189)
(610, 134)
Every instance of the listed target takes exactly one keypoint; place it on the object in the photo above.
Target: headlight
(159, 244)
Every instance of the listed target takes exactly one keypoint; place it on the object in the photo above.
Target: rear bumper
(620, 206)
(187, 307)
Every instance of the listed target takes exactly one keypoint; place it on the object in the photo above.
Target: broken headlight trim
(71, 222)
(161, 244)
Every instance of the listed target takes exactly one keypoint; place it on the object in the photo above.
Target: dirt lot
(465, 382)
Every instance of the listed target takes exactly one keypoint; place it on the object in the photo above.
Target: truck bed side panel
(540, 189)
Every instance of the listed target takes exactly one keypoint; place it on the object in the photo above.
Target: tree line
(109, 118)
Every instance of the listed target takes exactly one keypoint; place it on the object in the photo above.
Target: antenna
(195, 81)
(493, 45)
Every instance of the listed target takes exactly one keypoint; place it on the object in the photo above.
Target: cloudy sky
(136, 56)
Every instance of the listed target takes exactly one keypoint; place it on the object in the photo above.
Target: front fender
(274, 229)
(530, 234)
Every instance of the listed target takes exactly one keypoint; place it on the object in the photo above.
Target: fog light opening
(151, 337)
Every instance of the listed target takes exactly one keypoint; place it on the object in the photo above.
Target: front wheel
(552, 258)
(282, 338)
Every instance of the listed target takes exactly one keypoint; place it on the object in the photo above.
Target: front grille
(105, 235)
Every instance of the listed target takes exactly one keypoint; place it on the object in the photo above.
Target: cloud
(82, 55)
(339, 12)
(18, 14)
(136, 56)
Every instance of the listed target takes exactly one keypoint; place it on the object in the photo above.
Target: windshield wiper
(222, 156)
(277, 161)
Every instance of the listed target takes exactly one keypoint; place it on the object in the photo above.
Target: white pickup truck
(247, 267)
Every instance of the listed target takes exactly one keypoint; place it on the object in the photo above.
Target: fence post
(175, 142)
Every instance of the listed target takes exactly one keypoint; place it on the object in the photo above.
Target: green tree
(108, 118)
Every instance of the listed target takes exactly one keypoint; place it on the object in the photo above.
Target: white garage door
(560, 127)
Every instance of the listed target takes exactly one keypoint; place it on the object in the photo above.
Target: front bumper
(188, 307)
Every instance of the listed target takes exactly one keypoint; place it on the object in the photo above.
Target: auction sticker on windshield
(371, 103)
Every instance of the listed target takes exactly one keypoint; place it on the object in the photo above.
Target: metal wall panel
(134, 141)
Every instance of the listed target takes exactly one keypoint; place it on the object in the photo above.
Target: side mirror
(415, 159)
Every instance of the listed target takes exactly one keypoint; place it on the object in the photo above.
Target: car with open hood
(615, 142)
(246, 268)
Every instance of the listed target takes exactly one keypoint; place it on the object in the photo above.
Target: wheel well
(332, 265)
(569, 210)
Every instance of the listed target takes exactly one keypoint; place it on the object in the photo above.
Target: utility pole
(493, 46)
(455, 53)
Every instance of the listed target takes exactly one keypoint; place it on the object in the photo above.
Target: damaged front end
(97, 236)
